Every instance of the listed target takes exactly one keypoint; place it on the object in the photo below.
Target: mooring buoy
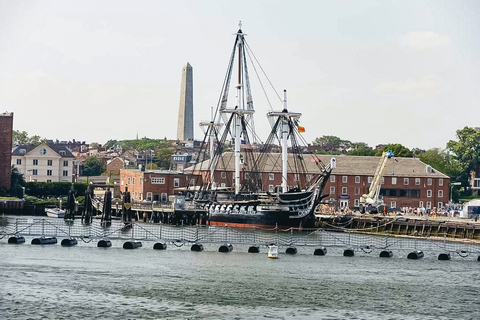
(132, 245)
(254, 249)
(320, 251)
(197, 247)
(386, 254)
(291, 250)
(225, 248)
(69, 242)
(160, 246)
(415, 255)
(44, 240)
(104, 243)
(444, 256)
(349, 252)
(16, 240)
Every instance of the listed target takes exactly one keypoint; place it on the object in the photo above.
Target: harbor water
(87, 282)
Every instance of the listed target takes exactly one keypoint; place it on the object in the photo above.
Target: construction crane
(373, 202)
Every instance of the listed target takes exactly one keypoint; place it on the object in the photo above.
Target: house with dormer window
(52, 162)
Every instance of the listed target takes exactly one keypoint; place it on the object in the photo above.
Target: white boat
(272, 252)
(55, 212)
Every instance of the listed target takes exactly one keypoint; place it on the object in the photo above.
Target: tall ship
(242, 181)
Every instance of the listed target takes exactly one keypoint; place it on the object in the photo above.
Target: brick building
(151, 185)
(407, 182)
(6, 137)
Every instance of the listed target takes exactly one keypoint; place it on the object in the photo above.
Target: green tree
(20, 137)
(332, 144)
(164, 157)
(466, 151)
(360, 149)
(397, 149)
(92, 167)
(441, 160)
(111, 143)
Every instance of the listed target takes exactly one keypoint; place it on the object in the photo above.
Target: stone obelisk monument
(185, 112)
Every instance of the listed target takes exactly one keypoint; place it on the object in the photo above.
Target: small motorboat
(272, 252)
(55, 212)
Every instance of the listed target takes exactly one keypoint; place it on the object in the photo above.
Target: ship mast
(286, 120)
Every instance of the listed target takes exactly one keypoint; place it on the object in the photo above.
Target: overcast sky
(366, 71)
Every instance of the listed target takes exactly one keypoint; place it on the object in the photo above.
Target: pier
(319, 240)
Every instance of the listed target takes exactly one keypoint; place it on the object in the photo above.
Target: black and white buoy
(349, 252)
(225, 248)
(16, 240)
(69, 242)
(444, 256)
(104, 243)
(386, 254)
(132, 245)
(160, 246)
(197, 247)
(320, 251)
(291, 250)
(254, 249)
(44, 240)
(415, 255)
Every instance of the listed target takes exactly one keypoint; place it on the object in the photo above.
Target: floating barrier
(197, 247)
(444, 256)
(132, 245)
(349, 252)
(160, 246)
(415, 255)
(70, 242)
(320, 251)
(104, 243)
(386, 254)
(254, 249)
(291, 250)
(16, 240)
(478, 258)
(225, 248)
(44, 240)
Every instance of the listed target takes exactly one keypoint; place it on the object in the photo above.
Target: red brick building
(152, 185)
(6, 136)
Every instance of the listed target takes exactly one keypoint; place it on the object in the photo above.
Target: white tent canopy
(470, 209)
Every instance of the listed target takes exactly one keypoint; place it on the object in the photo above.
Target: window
(440, 205)
(429, 205)
(23, 151)
(149, 196)
(62, 152)
(440, 182)
(393, 204)
(35, 162)
(406, 181)
(65, 163)
(357, 191)
(429, 181)
(357, 179)
(223, 185)
(309, 177)
(344, 190)
(429, 193)
(176, 182)
(356, 202)
(417, 181)
(65, 173)
(19, 161)
(420, 204)
(270, 188)
(296, 177)
(332, 178)
(332, 190)
(34, 172)
(164, 197)
(192, 182)
(133, 180)
(128, 180)
(383, 180)
(157, 180)
(271, 176)
(49, 172)
(49, 162)
(141, 181)
(370, 179)
(224, 175)
(394, 180)
(344, 179)
(440, 193)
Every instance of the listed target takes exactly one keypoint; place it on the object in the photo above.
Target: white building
(44, 163)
